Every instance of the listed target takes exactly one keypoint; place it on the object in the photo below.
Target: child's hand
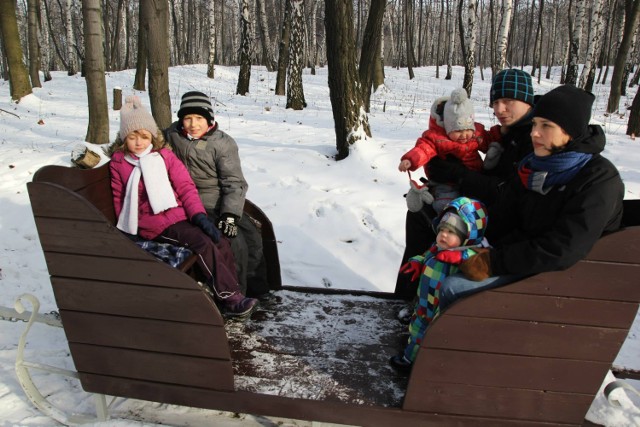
(414, 268)
(404, 166)
(205, 224)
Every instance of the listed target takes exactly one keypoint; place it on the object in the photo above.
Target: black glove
(205, 224)
(450, 170)
(228, 225)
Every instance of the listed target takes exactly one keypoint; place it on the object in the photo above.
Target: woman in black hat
(566, 195)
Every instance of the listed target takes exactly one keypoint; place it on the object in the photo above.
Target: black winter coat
(533, 233)
(487, 185)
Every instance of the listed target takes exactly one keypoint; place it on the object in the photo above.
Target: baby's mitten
(417, 195)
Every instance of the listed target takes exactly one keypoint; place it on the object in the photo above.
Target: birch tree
(295, 92)
(244, 76)
(503, 33)
(595, 35)
(72, 67)
(267, 55)
(34, 45)
(468, 35)
(45, 49)
(211, 13)
(574, 44)
(283, 51)
(631, 16)
(94, 69)
(452, 37)
(350, 120)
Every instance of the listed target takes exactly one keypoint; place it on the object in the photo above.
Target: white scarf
(159, 189)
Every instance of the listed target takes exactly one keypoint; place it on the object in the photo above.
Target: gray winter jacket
(214, 165)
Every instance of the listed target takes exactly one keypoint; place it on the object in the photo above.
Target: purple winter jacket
(150, 225)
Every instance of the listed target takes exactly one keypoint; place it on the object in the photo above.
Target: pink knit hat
(133, 116)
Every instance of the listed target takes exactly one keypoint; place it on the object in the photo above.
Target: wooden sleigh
(533, 353)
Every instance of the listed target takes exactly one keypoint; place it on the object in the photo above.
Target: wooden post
(117, 98)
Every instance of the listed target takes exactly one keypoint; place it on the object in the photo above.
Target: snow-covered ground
(333, 220)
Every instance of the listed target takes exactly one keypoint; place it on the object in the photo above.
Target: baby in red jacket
(452, 132)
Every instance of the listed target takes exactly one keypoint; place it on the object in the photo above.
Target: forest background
(354, 39)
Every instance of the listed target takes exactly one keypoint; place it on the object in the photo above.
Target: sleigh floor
(331, 347)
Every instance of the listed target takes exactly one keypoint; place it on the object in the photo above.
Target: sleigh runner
(531, 353)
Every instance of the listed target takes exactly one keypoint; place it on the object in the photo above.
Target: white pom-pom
(458, 96)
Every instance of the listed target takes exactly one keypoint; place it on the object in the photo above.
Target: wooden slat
(570, 311)
(146, 334)
(151, 302)
(269, 244)
(478, 401)
(166, 368)
(588, 343)
(152, 272)
(83, 237)
(272, 405)
(616, 282)
(505, 371)
(52, 200)
(620, 247)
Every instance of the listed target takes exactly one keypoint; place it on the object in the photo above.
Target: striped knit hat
(196, 103)
(513, 84)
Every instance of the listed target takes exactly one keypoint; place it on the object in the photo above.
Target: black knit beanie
(512, 83)
(196, 103)
(567, 106)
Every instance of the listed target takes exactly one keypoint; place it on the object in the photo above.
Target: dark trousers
(215, 260)
(249, 257)
(419, 236)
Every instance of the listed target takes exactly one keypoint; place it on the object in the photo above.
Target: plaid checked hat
(512, 83)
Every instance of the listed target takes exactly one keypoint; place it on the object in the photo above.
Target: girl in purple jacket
(155, 198)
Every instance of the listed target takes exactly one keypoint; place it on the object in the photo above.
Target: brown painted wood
(146, 334)
(542, 339)
(125, 299)
(616, 282)
(570, 311)
(519, 404)
(530, 353)
(170, 368)
(505, 371)
(271, 405)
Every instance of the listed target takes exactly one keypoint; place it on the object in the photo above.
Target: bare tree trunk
(156, 19)
(351, 121)
(295, 91)
(595, 35)
(211, 13)
(94, 69)
(283, 54)
(139, 82)
(408, 34)
(19, 84)
(34, 48)
(537, 44)
(440, 48)
(45, 48)
(551, 55)
(468, 34)
(632, 12)
(452, 37)
(370, 52)
(574, 46)
(313, 40)
(503, 37)
(267, 55)
(244, 75)
(633, 126)
(72, 67)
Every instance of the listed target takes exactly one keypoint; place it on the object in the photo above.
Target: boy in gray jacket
(212, 158)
